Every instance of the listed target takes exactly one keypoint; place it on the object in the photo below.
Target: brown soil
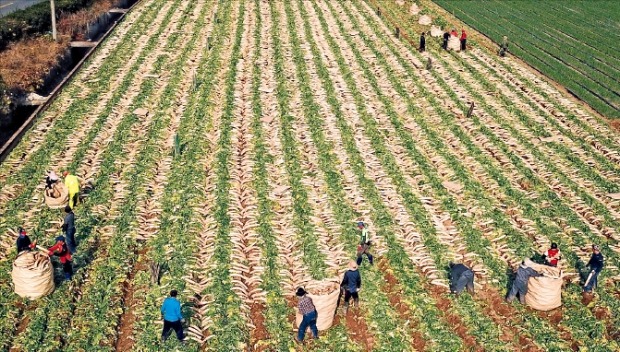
(394, 293)
(500, 312)
(127, 319)
(586, 298)
(357, 329)
(445, 305)
(259, 333)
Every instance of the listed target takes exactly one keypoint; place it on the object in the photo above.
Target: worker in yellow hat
(73, 185)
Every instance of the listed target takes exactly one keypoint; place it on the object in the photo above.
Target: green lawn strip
(85, 223)
(517, 195)
(30, 174)
(174, 244)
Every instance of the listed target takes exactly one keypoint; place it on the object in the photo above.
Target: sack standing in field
(324, 296)
(545, 292)
(33, 275)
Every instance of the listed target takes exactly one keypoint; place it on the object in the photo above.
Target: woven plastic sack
(325, 303)
(545, 292)
(436, 31)
(57, 197)
(454, 43)
(33, 274)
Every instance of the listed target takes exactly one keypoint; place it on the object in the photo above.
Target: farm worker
(444, 45)
(351, 284)
(454, 33)
(596, 264)
(68, 227)
(23, 241)
(73, 185)
(519, 285)
(173, 319)
(364, 245)
(463, 40)
(552, 255)
(60, 249)
(308, 311)
(503, 48)
(50, 179)
(422, 43)
(461, 277)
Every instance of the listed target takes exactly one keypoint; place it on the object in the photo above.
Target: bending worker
(519, 285)
(461, 277)
(73, 185)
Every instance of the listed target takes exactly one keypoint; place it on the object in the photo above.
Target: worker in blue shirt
(171, 312)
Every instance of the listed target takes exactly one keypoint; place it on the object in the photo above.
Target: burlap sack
(62, 193)
(545, 293)
(325, 303)
(33, 274)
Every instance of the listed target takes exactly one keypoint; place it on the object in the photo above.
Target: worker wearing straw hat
(308, 311)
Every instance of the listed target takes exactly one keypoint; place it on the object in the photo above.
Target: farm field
(570, 41)
(234, 144)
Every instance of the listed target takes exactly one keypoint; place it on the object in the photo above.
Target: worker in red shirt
(60, 249)
(552, 255)
(454, 33)
(463, 40)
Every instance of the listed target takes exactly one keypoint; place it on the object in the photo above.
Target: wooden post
(471, 110)
(53, 6)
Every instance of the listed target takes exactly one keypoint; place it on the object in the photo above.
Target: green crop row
(533, 213)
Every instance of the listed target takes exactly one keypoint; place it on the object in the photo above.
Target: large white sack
(33, 274)
(325, 303)
(545, 293)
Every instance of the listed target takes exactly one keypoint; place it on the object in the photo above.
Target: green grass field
(573, 42)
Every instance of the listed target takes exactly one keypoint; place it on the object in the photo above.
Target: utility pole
(54, 36)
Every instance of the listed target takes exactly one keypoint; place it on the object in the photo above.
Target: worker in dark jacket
(422, 43)
(351, 285)
(60, 249)
(308, 312)
(51, 179)
(68, 227)
(461, 277)
(444, 45)
(23, 241)
(519, 285)
(596, 264)
(364, 246)
(173, 319)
